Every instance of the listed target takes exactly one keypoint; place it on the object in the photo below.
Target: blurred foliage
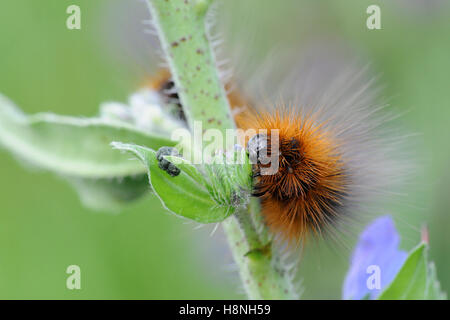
(416, 280)
(145, 253)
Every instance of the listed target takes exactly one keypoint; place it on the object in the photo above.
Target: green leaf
(416, 280)
(184, 194)
(187, 167)
(110, 195)
(433, 286)
(72, 146)
(79, 150)
(229, 176)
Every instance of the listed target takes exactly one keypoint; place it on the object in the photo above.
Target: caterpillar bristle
(303, 195)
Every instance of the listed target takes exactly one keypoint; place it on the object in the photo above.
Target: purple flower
(375, 261)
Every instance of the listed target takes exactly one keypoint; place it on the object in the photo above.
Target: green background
(144, 252)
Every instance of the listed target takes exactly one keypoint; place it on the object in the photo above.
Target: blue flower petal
(377, 246)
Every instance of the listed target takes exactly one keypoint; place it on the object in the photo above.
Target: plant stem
(262, 271)
(181, 28)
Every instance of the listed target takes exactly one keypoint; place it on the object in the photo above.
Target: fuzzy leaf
(433, 286)
(72, 146)
(187, 167)
(78, 149)
(183, 194)
(416, 280)
(109, 195)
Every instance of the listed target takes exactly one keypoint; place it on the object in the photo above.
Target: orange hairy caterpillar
(308, 188)
(332, 156)
(338, 156)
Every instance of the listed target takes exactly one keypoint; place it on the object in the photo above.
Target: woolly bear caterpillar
(336, 156)
(332, 156)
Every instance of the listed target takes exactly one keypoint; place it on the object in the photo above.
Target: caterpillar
(333, 155)
(309, 187)
(339, 156)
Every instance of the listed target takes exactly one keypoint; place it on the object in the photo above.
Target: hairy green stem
(263, 274)
(182, 32)
(181, 28)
